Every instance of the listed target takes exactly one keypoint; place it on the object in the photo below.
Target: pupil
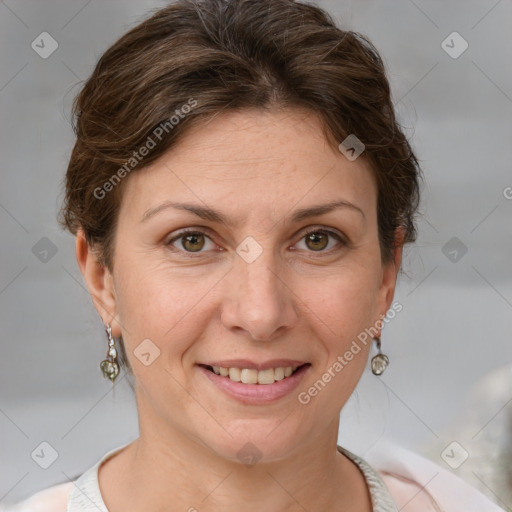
(192, 240)
(316, 239)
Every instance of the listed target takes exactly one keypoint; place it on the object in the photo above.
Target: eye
(317, 240)
(320, 239)
(191, 241)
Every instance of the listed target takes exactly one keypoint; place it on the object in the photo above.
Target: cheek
(341, 312)
(345, 302)
(158, 306)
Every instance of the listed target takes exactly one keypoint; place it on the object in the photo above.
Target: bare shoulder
(408, 495)
(51, 499)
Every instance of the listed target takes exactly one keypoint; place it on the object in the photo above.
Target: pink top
(397, 480)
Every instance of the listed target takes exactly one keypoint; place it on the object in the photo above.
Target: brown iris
(193, 242)
(317, 240)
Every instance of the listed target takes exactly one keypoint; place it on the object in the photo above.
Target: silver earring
(380, 361)
(109, 366)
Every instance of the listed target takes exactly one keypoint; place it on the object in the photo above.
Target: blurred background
(450, 376)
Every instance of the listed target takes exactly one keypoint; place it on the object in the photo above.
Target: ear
(389, 275)
(99, 282)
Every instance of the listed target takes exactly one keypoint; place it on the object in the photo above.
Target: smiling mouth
(251, 376)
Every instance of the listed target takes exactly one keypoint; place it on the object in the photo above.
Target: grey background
(456, 320)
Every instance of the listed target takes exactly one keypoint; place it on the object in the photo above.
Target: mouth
(251, 386)
(253, 376)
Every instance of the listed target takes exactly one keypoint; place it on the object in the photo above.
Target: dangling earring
(380, 361)
(109, 366)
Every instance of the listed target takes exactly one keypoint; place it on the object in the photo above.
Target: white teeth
(248, 376)
(279, 373)
(266, 376)
(252, 376)
(234, 374)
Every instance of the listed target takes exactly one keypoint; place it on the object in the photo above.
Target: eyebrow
(215, 216)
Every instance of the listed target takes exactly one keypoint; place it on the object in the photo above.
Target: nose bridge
(254, 261)
(260, 302)
(259, 276)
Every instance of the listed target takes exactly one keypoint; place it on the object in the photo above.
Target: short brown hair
(232, 55)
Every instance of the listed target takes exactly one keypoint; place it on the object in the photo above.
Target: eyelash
(186, 232)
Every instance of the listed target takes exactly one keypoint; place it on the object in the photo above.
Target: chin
(254, 441)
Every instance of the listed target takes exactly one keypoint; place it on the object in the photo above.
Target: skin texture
(293, 301)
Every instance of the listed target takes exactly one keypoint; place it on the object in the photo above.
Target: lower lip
(255, 394)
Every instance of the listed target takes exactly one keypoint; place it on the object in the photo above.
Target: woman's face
(274, 280)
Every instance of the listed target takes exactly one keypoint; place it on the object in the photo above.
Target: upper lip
(252, 365)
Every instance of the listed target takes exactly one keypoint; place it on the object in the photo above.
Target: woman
(240, 192)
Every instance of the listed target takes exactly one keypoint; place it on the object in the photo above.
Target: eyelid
(322, 229)
(185, 231)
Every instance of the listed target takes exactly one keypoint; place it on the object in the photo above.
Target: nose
(258, 301)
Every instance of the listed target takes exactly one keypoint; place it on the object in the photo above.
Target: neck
(172, 472)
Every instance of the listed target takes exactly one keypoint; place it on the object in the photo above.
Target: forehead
(262, 161)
